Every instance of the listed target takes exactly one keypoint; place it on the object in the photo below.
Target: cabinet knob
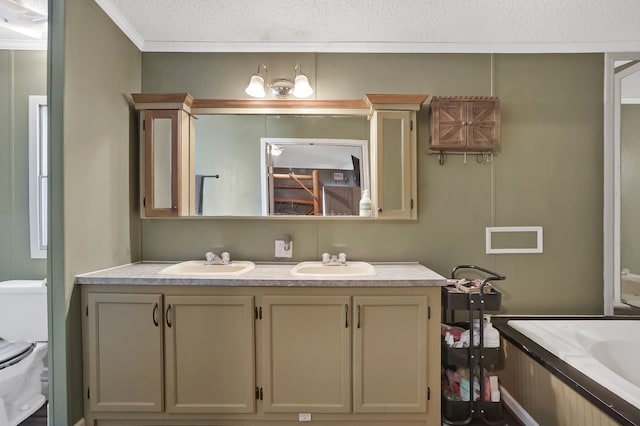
(174, 207)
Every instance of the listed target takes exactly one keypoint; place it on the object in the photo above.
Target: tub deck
(618, 409)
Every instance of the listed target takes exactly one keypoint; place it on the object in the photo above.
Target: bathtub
(597, 358)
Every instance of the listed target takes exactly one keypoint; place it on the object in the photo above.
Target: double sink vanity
(262, 343)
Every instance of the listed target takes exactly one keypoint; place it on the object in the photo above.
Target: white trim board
(513, 250)
(517, 409)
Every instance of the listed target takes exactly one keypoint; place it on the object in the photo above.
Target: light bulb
(256, 86)
(302, 88)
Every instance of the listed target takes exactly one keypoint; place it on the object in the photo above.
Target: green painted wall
(549, 172)
(95, 221)
(22, 74)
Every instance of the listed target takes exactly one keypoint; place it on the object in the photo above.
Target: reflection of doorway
(622, 175)
(308, 176)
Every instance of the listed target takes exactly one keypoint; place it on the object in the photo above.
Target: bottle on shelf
(365, 204)
(491, 335)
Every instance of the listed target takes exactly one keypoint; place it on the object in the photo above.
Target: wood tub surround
(260, 348)
(538, 380)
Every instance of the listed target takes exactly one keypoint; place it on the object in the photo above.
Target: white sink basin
(201, 268)
(317, 269)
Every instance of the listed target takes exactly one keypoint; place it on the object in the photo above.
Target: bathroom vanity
(263, 347)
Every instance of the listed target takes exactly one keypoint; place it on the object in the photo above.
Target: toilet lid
(13, 352)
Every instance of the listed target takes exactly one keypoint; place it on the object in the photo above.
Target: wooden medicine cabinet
(465, 124)
(170, 185)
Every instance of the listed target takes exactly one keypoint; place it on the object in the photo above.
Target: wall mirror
(218, 156)
(622, 177)
(280, 164)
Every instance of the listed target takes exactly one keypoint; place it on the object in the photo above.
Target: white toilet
(23, 349)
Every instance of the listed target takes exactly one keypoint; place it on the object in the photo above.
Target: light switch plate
(304, 417)
(281, 252)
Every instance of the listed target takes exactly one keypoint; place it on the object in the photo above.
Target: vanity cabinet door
(390, 354)
(166, 163)
(210, 361)
(306, 354)
(394, 156)
(124, 333)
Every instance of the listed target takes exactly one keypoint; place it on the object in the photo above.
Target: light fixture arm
(266, 72)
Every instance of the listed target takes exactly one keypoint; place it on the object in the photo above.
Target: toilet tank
(23, 310)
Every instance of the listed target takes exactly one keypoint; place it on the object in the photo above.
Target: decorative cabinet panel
(307, 354)
(209, 353)
(124, 348)
(465, 124)
(390, 354)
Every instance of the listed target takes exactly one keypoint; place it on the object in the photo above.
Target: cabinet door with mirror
(621, 177)
(166, 176)
(296, 158)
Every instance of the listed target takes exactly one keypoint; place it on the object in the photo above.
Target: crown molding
(23, 44)
(381, 47)
(122, 23)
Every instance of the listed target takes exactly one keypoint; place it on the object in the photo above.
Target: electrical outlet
(281, 252)
(304, 417)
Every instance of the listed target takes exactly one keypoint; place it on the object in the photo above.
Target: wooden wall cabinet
(166, 132)
(394, 187)
(247, 356)
(465, 124)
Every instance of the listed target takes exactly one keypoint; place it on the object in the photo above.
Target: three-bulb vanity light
(281, 88)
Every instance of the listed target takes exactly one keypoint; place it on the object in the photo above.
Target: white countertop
(403, 274)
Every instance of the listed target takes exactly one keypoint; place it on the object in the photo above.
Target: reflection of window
(38, 172)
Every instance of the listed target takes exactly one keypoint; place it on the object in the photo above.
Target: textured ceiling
(380, 25)
(375, 25)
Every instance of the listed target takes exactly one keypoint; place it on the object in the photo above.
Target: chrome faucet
(332, 259)
(214, 259)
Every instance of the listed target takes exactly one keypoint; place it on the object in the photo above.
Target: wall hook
(442, 158)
